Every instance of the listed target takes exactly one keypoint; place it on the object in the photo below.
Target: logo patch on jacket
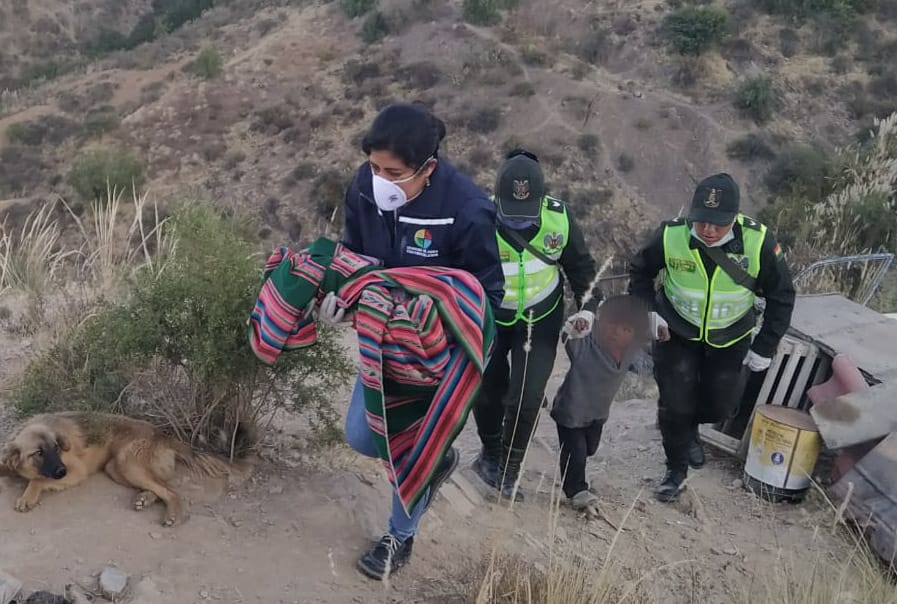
(742, 261)
(552, 242)
(423, 245)
(521, 189)
(683, 264)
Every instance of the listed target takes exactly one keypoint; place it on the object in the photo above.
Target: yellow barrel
(783, 451)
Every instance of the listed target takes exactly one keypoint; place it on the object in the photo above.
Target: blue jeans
(359, 437)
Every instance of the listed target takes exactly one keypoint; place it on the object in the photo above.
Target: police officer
(538, 243)
(715, 262)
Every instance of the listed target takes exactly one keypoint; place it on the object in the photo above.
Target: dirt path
(292, 533)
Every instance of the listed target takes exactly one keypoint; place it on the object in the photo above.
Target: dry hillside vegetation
(153, 151)
(260, 105)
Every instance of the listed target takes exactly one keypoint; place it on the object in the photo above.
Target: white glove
(579, 325)
(755, 362)
(660, 331)
(329, 311)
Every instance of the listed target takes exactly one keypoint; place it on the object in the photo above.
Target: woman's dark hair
(407, 130)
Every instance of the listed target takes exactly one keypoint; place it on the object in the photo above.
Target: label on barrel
(780, 455)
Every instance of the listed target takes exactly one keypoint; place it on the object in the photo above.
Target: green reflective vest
(710, 302)
(529, 280)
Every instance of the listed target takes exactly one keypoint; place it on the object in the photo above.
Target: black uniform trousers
(577, 446)
(697, 384)
(513, 389)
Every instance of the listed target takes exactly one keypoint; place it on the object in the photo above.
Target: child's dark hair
(626, 310)
(407, 130)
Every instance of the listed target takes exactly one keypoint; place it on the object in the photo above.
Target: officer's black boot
(487, 462)
(696, 457)
(673, 483)
(508, 473)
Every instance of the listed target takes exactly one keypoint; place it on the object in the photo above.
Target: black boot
(486, 464)
(386, 557)
(696, 457)
(672, 485)
(508, 472)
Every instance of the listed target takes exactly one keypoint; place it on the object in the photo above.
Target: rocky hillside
(259, 105)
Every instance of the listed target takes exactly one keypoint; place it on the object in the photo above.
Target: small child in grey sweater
(600, 355)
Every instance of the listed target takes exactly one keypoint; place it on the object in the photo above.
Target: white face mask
(388, 195)
(723, 241)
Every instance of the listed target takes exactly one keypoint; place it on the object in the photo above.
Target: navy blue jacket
(450, 224)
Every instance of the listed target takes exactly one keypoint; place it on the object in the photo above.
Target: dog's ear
(10, 459)
(63, 442)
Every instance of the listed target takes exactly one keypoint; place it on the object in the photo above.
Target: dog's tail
(207, 464)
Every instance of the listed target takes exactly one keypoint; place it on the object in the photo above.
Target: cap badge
(521, 190)
(712, 200)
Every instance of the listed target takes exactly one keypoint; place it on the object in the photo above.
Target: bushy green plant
(207, 65)
(176, 349)
(374, 28)
(695, 30)
(481, 12)
(95, 172)
(750, 147)
(357, 8)
(756, 98)
(803, 171)
(101, 121)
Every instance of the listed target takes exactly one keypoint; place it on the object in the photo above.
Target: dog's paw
(24, 504)
(144, 500)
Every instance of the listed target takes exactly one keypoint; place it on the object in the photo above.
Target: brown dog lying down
(60, 450)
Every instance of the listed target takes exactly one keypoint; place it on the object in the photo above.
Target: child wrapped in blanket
(601, 352)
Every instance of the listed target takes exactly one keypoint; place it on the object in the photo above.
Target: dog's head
(35, 452)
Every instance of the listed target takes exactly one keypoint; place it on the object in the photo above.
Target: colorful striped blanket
(424, 336)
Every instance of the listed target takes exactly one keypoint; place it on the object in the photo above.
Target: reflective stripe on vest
(710, 303)
(528, 280)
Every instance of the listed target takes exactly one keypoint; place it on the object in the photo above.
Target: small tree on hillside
(694, 31)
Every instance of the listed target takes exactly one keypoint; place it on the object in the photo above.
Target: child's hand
(580, 324)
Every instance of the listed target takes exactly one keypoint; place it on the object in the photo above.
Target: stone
(9, 588)
(113, 582)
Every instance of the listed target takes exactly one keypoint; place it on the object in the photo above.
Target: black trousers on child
(577, 445)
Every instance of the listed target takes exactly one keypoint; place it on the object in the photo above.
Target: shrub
(522, 89)
(328, 190)
(357, 8)
(802, 171)
(481, 12)
(595, 48)
(21, 168)
(95, 172)
(625, 163)
(693, 31)
(51, 129)
(175, 350)
(272, 120)
(789, 42)
(484, 120)
(756, 98)
(207, 65)
(100, 122)
(750, 147)
(374, 28)
(420, 76)
(587, 143)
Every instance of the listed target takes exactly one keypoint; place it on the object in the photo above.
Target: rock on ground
(113, 582)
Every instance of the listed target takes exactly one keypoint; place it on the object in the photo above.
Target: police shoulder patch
(555, 205)
(750, 223)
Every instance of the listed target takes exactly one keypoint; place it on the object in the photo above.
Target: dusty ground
(292, 532)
